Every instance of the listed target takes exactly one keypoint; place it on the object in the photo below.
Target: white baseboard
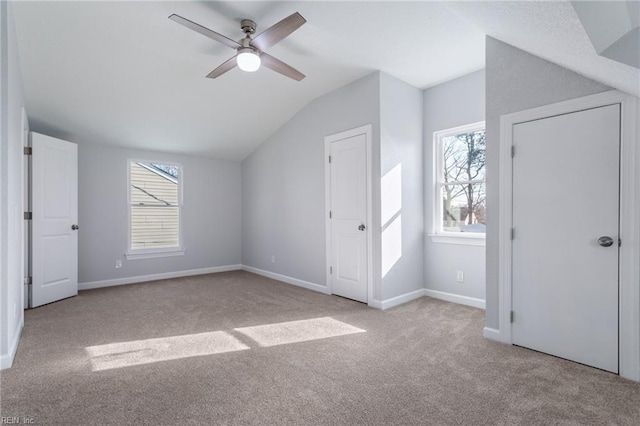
(289, 280)
(376, 304)
(491, 334)
(6, 360)
(455, 298)
(399, 300)
(154, 277)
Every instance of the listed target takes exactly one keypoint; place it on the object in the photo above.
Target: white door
(565, 198)
(55, 217)
(348, 208)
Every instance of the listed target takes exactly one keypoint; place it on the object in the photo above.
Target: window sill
(466, 240)
(136, 255)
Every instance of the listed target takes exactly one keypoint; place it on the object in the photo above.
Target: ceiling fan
(251, 51)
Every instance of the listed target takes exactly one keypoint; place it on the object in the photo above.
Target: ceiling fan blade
(226, 66)
(279, 31)
(278, 66)
(205, 31)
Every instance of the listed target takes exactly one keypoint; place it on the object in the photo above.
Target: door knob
(75, 227)
(605, 241)
(361, 227)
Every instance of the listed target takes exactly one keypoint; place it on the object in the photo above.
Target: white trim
(455, 298)
(399, 300)
(6, 360)
(154, 277)
(367, 130)
(416, 294)
(630, 236)
(629, 350)
(375, 304)
(438, 173)
(285, 279)
(504, 232)
(491, 333)
(465, 240)
(24, 225)
(143, 254)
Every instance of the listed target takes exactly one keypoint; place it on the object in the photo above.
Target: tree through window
(461, 182)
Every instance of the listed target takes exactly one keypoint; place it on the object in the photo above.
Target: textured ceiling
(552, 31)
(121, 73)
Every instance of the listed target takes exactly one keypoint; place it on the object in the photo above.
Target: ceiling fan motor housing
(248, 26)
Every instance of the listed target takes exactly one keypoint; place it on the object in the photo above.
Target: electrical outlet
(273, 258)
(459, 276)
(118, 263)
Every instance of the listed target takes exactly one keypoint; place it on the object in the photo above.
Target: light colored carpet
(237, 348)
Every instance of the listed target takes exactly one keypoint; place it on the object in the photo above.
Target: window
(460, 204)
(155, 201)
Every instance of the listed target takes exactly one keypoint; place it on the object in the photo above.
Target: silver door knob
(605, 241)
(75, 227)
(361, 227)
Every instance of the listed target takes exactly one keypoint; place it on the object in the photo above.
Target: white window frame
(151, 253)
(438, 235)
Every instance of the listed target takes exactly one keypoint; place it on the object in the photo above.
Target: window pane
(155, 205)
(170, 169)
(153, 227)
(464, 208)
(464, 156)
(152, 186)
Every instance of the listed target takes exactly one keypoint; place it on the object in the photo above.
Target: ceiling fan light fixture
(248, 59)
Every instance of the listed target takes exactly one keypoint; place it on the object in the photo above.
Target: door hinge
(513, 151)
(27, 150)
(511, 316)
(28, 215)
(331, 269)
(330, 215)
(329, 158)
(619, 242)
(27, 280)
(513, 233)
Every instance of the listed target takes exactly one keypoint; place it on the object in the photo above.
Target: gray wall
(401, 143)
(283, 205)
(210, 215)
(516, 81)
(283, 183)
(11, 160)
(451, 104)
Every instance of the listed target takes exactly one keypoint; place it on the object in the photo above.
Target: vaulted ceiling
(121, 73)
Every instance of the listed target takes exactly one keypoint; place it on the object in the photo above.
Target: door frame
(629, 270)
(328, 140)
(25, 187)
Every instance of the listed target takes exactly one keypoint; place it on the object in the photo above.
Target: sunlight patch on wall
(391, 194)
(298, 331)
(391, 245)
(391, 207)
(126, 354)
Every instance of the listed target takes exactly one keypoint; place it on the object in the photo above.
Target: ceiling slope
(122, 73)
(553, 31)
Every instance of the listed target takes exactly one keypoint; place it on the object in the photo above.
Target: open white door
(54, 191)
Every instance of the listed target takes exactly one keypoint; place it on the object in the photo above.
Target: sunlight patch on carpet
(126, 354)
(298, 331)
